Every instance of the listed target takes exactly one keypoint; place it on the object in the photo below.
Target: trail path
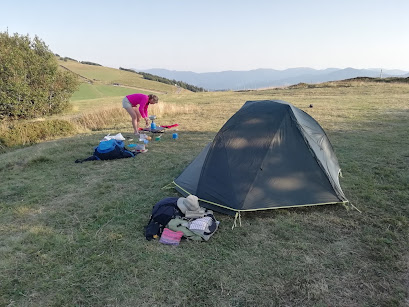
(141, 88)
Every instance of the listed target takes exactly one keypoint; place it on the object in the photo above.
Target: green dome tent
(268, 155)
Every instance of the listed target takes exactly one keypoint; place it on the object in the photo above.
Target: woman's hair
(154, 98)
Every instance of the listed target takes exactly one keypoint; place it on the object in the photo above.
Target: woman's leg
(135, 115)
(138, 114)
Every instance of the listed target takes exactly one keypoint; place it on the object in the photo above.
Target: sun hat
(190, 203)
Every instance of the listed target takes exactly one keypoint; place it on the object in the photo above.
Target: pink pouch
(170, 237)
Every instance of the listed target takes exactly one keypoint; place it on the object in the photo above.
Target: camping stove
(153, 124)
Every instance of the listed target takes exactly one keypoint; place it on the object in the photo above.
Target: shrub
(90, 63)
(69, 59)
(31, 85)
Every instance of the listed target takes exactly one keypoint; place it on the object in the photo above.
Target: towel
(170, 237)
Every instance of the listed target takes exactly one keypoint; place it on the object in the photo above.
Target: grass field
(72, 234)
(89, 91)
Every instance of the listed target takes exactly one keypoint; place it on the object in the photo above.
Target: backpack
(112, 149)
(109, 150)
(162, 212)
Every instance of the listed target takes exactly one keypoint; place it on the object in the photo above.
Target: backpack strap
(92, 158)
(130, 153)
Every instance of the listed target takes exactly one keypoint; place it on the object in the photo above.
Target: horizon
(230, 70)
(216, 36)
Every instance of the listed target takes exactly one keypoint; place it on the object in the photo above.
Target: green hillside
(95, 91)
(100, 75)
(105, 87)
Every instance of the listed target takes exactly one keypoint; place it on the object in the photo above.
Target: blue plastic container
(175, 136)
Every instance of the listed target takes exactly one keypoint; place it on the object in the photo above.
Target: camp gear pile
(112, 146)
(170, 223)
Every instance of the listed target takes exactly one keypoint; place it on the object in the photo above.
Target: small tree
(31, 85)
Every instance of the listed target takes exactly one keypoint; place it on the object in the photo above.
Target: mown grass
(72, 234)
(89, 91)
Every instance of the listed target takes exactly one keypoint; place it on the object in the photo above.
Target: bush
(31, 85)
(69, 59)
(90, 63)
(128, 70)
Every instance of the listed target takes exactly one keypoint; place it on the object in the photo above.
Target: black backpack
(112, 149)
(162, 212)
(109, 150)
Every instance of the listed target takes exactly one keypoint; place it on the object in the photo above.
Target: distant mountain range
(263, 78)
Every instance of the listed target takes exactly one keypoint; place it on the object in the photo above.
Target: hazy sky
(218, 35)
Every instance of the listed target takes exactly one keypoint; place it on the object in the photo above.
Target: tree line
(65, 59)
(181, 84)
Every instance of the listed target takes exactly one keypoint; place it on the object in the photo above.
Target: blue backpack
(112, 149)
(109, 150)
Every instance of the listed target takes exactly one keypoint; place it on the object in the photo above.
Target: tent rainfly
(268, 155)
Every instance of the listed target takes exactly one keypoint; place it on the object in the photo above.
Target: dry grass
(33, 131)
(16, 133)
(108, 117)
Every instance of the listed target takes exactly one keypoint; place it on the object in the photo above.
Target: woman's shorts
(125, 103)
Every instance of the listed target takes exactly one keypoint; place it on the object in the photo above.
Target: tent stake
(235, 221)
(237, 216)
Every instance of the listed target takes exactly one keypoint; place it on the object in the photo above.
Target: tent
(268, 155)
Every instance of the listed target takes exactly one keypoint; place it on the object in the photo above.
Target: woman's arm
(143, 109)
